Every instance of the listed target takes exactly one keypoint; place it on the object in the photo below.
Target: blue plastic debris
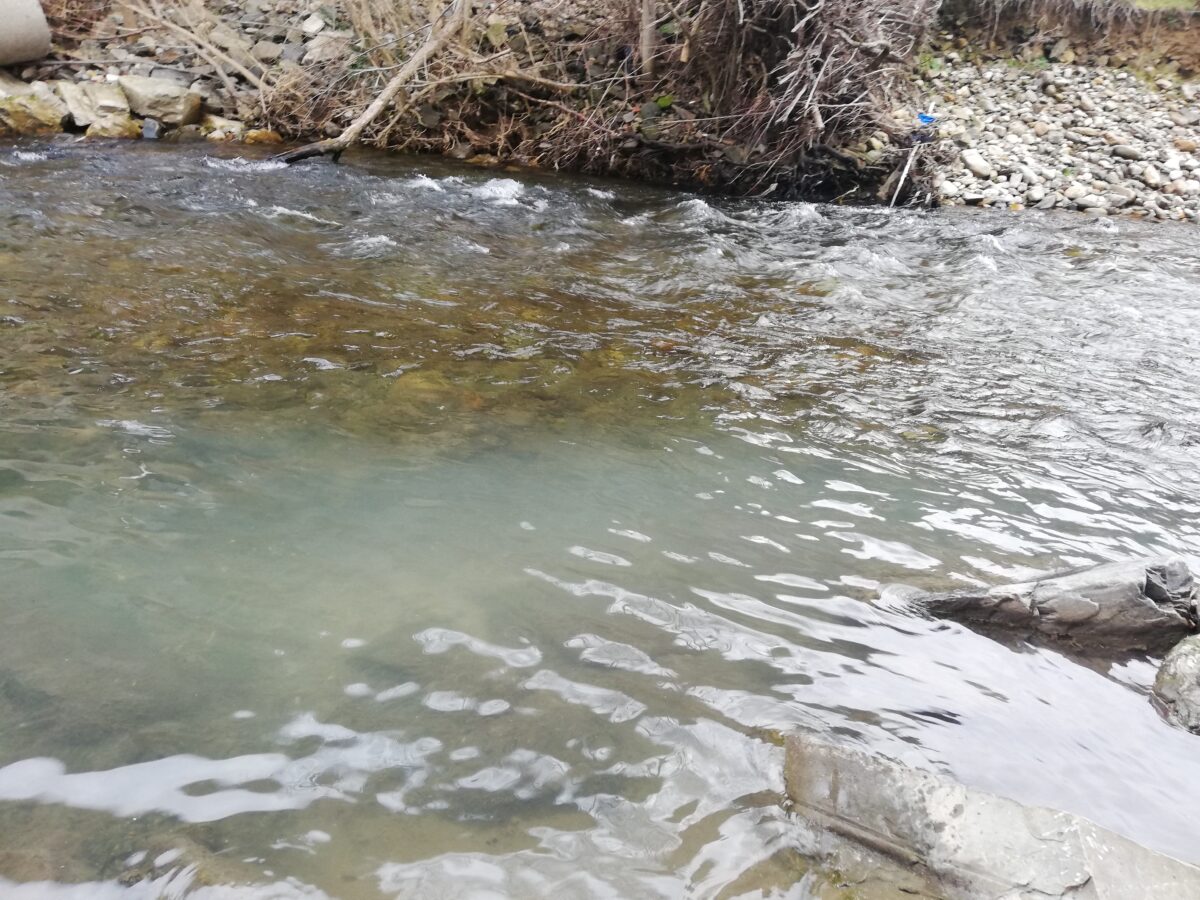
(926, 118)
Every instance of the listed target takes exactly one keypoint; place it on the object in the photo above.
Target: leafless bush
(1069, 15)
(73, 20)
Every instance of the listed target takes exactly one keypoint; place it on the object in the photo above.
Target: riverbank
(1092, 117)
(1049, 132)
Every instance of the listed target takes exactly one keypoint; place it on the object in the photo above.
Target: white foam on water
(238, 164)
(500, 191)
(275, 212)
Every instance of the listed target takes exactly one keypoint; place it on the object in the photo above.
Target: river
(398, 529)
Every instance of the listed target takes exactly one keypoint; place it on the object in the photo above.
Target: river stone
(1177, 686)
(90, 101)
(168, 101)
(864, 813)
(114, 126)
(35, 112)
(975, 162)
(11, 86)
(1143, 604)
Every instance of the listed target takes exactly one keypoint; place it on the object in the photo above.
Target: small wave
(238, 164)
(697, 210)
(603, 195)
(321, 363)
(500, 191)
(365, 246)
(275, 212)
(472, 247)
(425, 182)
(134, 427)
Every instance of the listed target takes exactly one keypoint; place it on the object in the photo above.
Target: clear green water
(392, 530)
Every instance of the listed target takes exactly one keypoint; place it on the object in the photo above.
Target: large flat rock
(881, 822)
(1140, 604)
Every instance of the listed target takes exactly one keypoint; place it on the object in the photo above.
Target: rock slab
(160, 98)
(1177, 687)
(1142, 604)
(936, 837)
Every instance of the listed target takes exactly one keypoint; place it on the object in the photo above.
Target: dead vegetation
(785, 97)
(72, 20)
(752, 95)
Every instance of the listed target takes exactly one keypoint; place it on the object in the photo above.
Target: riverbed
(399, 529)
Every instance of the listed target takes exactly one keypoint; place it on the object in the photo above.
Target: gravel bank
(1062, 136)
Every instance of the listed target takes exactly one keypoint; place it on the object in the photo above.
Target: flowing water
(398, 530)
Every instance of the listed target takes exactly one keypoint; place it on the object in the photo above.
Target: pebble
(1082, 137)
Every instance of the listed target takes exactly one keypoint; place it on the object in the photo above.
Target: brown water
(398, 530)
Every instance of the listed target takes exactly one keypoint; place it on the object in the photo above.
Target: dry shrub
(73, 20)
(1091, 16)
(745, 93)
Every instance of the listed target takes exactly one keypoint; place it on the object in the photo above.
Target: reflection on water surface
(393, 530)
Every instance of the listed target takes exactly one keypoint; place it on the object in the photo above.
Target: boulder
(262, 136)
(11, 86)
(91, 101)
(159, 98)
(1177, 687)
(931, 836)
(115, 126)
(35, 111)
(24, 34)
(977, 164)
(1137, 605)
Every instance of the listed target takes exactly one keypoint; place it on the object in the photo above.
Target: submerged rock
(1142, 604)
(934, 837)
(1177, 686)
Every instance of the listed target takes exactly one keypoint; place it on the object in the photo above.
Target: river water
(393, 529)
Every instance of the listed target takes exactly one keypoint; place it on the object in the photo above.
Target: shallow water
(400, 530)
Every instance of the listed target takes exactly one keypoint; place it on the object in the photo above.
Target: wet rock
(159, 98)
(1143, 604)
(1177, 687)
(34, 112)
(262, 136)
(185, 134)
(152, 129)
(935, 837)
(115, 126)
(90, 101)
(217, 128)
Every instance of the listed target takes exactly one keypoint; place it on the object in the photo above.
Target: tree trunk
(647, 43)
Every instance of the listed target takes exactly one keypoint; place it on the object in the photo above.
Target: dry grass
(745, 93)
(73, 20)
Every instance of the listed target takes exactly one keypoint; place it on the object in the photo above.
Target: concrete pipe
(24, 34)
